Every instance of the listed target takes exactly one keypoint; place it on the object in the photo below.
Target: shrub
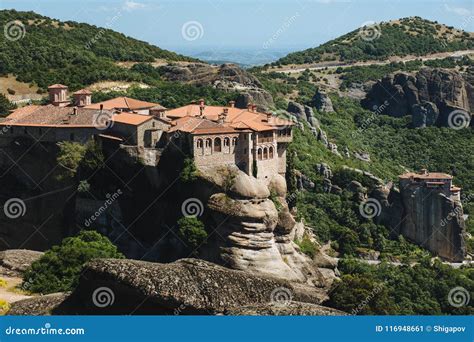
(189, 172)
(59, 268)
(192, 231)
(307, 246)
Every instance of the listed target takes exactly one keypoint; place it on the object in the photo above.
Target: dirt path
(335, 65)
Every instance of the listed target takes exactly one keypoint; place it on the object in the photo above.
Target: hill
(41, 50)
(379, 41)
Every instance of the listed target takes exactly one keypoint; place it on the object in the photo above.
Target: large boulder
(285, 309)
(297, 110)
(323, 102)
(14, 262)
(187, 286)
(425, 114)
(37, 306)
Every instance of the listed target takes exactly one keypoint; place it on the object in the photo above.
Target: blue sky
(277, 24)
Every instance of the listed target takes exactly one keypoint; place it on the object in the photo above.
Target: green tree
(59, 268)
(5, 106)
(192, 231)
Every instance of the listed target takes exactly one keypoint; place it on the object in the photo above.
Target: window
(153, 124)
(226, 142)
(270, 152)
(208, 143)
(199, 143)
(259, 154)
(234, 141)
(217, 145)
(265, 153)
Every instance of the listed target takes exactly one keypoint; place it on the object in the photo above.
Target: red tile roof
(131, 119)
(196, 125)
(126, 103)
(60, 86)
(429, 175)
(83, 92)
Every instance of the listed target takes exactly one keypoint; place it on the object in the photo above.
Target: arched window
(270, 152)
(265, 153)
(234, 141)
(226, 142)
(217, 145)
(199, 143)
(259, 154)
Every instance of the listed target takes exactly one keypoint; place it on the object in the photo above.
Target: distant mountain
(407, 36)
(245, 57)
(42, 50)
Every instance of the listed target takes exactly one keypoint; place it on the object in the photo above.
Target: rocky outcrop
(228, 77)
(187, 286)
(37, 306)
(289, 309)
(255, 231)
(430, 95)
(297, 110)
(13, 262)
(323, 102)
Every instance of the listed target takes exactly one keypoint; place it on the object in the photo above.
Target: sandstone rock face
(289, 309)
(187, 286)
(298, 110)
(15, 261)
(323, 102)
(430, 95)
(228, 77)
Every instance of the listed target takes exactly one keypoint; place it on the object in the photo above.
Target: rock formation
(323, 102)
(429, 96)
(14, 262)
(228, 77)
(187, 286)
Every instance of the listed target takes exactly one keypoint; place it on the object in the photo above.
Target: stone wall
(215, 150)
(48, 134)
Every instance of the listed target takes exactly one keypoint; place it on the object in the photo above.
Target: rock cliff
(429, 96)
(187, 286)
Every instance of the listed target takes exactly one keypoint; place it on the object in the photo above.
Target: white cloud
(132, 5)
(457, 10)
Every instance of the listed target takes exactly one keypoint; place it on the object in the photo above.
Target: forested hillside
(407, 36)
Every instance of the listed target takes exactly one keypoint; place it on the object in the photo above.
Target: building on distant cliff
(432, 214)
(255, 142)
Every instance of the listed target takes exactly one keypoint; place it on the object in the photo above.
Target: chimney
(223, 115)
(231, 104)
(269, 116)
(101, 107)
(82, 98)
(424, 171)
(201, 103)
(74, 111)
(254, 108)
(250, 107)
